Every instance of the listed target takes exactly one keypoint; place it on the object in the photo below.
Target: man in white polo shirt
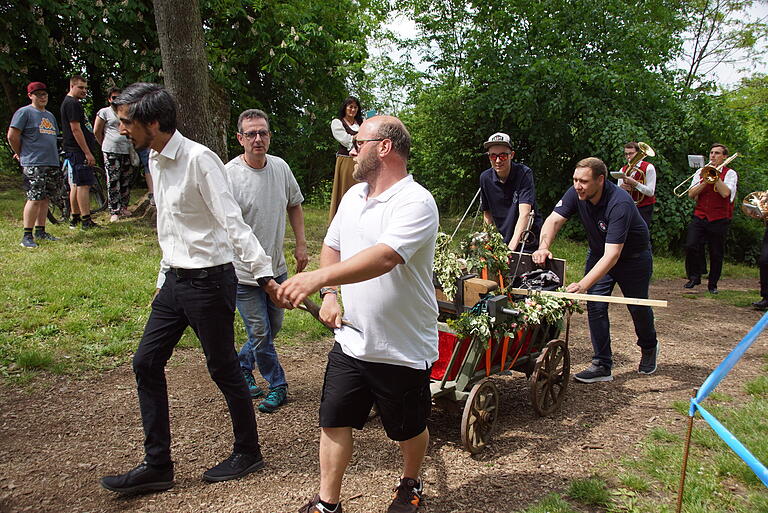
(380, 248)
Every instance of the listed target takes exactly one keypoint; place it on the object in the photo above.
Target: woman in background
(117, 157)
(346, 124)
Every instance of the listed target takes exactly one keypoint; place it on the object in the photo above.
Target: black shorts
(352, 386)
(82, 173)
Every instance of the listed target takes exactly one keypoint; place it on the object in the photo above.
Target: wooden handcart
(462, 372)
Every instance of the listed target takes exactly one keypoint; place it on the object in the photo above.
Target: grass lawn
(79, 305)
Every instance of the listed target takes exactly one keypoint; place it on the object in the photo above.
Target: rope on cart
(469, 207)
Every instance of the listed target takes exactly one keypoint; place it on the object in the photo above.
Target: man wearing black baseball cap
(32, 136)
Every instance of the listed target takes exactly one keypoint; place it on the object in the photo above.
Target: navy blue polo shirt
(503, 199)
(614, 220)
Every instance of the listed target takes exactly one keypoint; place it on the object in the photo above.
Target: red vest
(640, 177)
(710, 205)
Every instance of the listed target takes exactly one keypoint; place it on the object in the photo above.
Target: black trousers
(646, 213)
(763, 264)
(712, 233)
(208, 306)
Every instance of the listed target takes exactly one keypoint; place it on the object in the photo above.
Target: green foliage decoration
(486, 249)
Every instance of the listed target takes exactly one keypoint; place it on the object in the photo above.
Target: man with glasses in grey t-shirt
(266, 190)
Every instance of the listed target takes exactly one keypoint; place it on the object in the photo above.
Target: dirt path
(55, 445)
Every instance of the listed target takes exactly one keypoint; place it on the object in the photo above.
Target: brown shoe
(407, 496)
(314, 506)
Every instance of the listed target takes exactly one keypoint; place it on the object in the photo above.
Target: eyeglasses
(252, 135)
(503, 157)
(630, 153)
(358, 143)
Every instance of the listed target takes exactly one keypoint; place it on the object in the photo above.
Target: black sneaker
(88, 224)
(648, 360)
(142, 479)
(45, 236)
(712, 290)
(407, 496)
(761, 305)
(692, 283)
(314, 506)
(73, 223)
(234, 467)
(594, 373)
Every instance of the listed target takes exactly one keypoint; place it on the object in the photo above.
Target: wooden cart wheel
(550, 377)
(479, 416)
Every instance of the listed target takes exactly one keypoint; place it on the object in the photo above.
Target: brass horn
(632, 167)
(709, 174)
(755, 205)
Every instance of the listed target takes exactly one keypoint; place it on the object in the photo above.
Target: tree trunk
(185, 69)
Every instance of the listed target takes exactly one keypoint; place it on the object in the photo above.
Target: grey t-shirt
(264, 195)
(113, 141)
(38, 136)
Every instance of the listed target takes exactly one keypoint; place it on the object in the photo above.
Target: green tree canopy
(566, 79)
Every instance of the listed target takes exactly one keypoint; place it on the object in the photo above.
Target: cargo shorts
(41, 182)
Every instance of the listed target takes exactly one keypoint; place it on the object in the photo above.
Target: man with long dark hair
(198, 226)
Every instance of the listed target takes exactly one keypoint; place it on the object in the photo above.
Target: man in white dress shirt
(198, 226)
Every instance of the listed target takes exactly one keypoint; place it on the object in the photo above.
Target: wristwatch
(327, 290)
(263, 280)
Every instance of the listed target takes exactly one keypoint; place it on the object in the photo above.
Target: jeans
(633, 275)
(208, 306)
(263, 321)
(701, 231)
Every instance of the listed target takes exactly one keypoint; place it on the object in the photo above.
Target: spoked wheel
(98, 191)
(479, 416)
(550, 377)
(58, 210)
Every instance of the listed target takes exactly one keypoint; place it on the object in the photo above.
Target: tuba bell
(709, 174)
(632, 167)
(755, 205)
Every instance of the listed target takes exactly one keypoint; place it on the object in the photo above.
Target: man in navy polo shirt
(619, 252)
(508, 194)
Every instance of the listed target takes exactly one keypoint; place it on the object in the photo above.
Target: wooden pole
(590, 297)
(684, 468)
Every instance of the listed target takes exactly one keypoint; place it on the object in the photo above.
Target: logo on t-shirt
(46, 127)
(602, 225)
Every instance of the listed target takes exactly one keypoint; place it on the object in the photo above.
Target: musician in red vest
(711, 219)
(640, 183)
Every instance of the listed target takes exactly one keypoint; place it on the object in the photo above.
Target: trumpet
(755, 205)
(632, 167)
(709, 174)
